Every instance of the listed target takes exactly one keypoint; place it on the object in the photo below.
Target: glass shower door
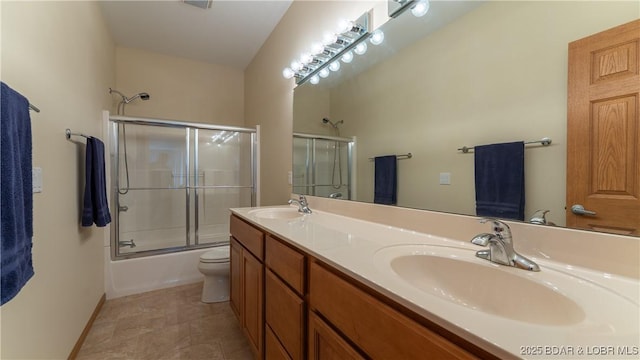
(224, 180)
(152, 187)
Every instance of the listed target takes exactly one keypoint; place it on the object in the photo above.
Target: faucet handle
(498, 225)
(482, 239)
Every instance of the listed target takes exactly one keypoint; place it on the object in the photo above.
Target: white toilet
(214, 265)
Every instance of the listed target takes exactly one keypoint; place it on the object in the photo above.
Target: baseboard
(85, 332)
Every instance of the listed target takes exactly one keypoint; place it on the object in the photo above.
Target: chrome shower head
(142, 95)
(126, 100)
(335, 125)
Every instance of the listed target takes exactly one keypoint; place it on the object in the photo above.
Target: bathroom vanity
(326, 286)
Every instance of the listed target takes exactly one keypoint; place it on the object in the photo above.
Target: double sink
(557, 297)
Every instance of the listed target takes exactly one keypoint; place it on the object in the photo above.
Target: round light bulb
(306, 58)
(347, 57)
(334, 66)
(314, 79)
(377, 37)
(361, 48)
(288, 73)
(317, 48)
(296, 65)
(324, 72)
(344, 26)
(329, 38)
(421, 8)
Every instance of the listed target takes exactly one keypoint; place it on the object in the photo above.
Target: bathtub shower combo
(322, 165)
(172, 184)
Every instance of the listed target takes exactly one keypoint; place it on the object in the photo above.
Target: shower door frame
(114, 138)
(310, 168)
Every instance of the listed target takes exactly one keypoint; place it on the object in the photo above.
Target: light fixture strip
(362, 27)
(404, 5)
(335, 57)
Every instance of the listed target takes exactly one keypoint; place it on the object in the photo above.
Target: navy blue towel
(96, 209)
(499, 173)
(16, 197)
(385, 184)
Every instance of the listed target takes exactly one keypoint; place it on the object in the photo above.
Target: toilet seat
(218, 254)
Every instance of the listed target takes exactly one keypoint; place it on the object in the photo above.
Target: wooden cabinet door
(252, 293)
(325, 344)
(273, 350)
(603, 131)
(235, 280)
(285, 315)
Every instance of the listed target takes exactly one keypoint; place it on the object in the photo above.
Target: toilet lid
(215, 255)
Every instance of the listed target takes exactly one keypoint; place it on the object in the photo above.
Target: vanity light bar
(309, 67)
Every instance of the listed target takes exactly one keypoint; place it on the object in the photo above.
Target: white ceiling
(229, 33)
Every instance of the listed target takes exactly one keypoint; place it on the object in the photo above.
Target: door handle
(580, 210)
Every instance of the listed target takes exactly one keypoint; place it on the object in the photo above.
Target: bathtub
(142, 274)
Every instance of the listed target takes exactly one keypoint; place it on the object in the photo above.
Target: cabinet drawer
(251, 238)
(286, 263)
(285, 315)
(380, 331)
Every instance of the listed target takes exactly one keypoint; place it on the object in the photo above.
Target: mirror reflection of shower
(120, 111)
(337, 159)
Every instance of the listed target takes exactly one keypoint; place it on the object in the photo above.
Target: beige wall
(497, 74)
(180, 89)
(61, 57)
(269, 96)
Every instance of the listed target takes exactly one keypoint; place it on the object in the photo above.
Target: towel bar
(399, 157)
(544, 141)
(68, 134)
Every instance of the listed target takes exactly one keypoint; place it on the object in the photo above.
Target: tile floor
(165, 324)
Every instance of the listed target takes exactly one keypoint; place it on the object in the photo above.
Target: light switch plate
(36, 178)
(445, 178)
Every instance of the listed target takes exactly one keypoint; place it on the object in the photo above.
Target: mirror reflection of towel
(499, 177)
(385, 184)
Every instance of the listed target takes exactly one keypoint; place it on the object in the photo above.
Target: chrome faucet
(539, 218)
(303, 207)
(129, 243)
(501, 247)
(335, 195)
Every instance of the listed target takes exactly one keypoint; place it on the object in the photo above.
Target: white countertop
(609, 328)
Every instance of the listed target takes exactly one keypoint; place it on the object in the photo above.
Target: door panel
(603, 131)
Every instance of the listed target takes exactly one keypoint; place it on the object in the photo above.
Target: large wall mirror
(465, 74)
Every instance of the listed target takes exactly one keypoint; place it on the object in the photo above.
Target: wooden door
(603, 131)
(252, 303)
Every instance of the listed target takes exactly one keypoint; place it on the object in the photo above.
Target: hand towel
(385, 184)
(96, 208)
(499, 180)
(16, 197)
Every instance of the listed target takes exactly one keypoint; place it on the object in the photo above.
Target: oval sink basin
(276, 213)
(456, 275)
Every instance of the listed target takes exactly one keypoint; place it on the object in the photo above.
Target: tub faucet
(129, 243)
(303, 207)
(335, 195)
(501, 247)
